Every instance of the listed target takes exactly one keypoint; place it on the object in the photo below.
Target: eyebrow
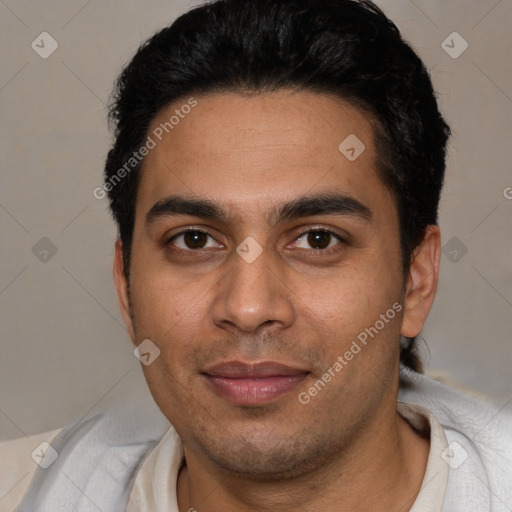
(305, 206)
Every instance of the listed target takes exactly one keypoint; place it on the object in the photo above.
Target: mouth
(253, 383)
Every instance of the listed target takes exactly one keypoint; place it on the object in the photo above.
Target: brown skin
(348, 449)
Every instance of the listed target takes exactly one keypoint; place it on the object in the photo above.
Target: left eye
(318, 239)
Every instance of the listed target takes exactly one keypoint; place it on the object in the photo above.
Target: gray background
(64, 349)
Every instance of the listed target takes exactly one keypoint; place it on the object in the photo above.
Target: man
(275, 178)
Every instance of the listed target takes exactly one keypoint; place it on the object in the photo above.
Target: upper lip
(261, 369)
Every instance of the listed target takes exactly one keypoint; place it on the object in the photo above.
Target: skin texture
(296, 304)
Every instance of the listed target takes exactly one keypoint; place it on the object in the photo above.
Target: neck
(382, 470)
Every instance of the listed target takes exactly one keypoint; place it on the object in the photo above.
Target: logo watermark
(146, 352)
(44, 455)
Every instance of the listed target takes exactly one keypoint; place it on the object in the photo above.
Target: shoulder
(456, 408)
(18, 464)
(479, 418)
(98, 454)
(482, 427)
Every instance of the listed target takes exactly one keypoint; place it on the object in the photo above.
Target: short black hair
(344, 47)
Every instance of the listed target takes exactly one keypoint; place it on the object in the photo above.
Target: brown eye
(318, 239)
(195, 239)
(191, 240)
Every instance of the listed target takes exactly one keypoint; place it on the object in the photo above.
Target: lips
(253, 383)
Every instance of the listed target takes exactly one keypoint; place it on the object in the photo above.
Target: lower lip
(255, 391)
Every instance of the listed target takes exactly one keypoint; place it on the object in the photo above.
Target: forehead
(255, 150)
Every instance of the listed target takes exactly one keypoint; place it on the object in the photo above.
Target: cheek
(350, 294)
(169, 314)
(167, 308)
(158, 288)
(346, 306)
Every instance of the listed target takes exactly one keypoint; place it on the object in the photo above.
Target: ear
(422, 282)
(122, 289)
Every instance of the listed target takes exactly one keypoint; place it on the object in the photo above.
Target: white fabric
(483, 430)
(155, 485)
(98, 458)
(17, 468)
(433, 488)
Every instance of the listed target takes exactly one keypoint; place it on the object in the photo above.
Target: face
(266, 268)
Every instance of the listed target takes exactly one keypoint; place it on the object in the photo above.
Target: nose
(252, 294)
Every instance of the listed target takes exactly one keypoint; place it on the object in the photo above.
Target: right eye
(191, 240)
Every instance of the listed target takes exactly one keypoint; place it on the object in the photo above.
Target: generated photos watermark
(355, 348)
(152, 141)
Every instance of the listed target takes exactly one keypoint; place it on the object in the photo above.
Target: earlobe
(122, 289)
(422, 282)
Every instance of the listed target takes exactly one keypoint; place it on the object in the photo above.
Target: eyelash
(329, 250)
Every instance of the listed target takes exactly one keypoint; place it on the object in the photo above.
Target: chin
(279, 460)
